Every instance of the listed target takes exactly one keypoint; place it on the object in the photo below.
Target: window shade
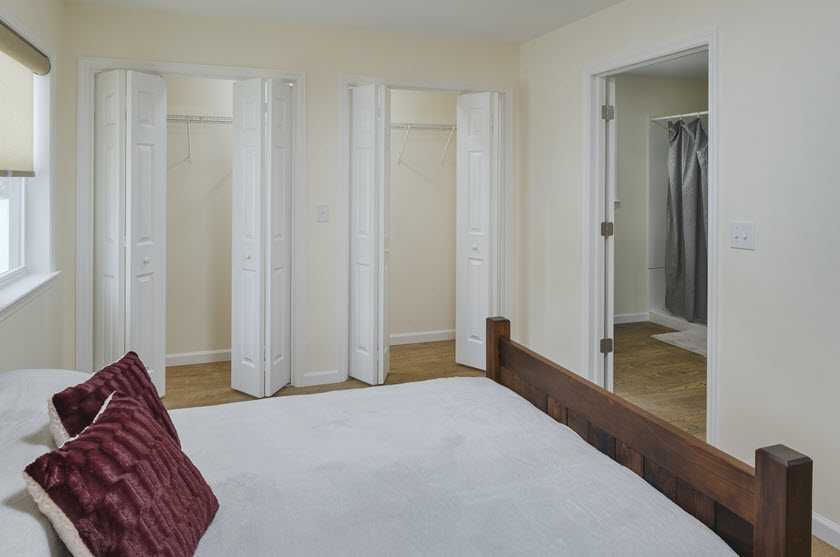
(16, 118)
(18, 48)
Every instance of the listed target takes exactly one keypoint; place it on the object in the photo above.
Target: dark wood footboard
(763, 511)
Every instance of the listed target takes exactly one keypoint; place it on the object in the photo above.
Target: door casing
(595, 278)
(502, 223)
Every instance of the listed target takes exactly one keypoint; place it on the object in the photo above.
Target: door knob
(146, 259)
(248, 257)
(475, 247)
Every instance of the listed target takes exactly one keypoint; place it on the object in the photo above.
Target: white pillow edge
(59, 432)
(63, 527)
(57, 428)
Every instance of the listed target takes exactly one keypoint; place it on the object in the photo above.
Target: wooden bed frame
(763, 511)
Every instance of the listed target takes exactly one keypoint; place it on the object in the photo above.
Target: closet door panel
(109, 219)
(247, 280)
(473, 238)
(363, 234)
(146, 222)
(279, 231)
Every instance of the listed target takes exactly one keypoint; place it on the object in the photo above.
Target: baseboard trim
(826, 530)
(201, 357)
(423, 336)
(675, 322)
(312, 378)
(631, 317)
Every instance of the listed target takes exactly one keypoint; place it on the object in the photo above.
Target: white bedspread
(454, 467)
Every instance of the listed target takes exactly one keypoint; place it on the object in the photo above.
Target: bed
(461, 466)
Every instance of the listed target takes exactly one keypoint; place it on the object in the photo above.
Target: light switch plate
(742, 235)
(322, 213)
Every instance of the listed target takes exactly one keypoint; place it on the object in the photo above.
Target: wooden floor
(665, 380)
(209, 384)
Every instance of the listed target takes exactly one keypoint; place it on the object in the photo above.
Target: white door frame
(594, 280)
(502, 217)
(86, 70)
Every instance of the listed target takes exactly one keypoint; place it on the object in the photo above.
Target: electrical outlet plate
(742, 235)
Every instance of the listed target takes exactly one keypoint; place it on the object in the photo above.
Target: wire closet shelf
(191, 118)
(408, 126)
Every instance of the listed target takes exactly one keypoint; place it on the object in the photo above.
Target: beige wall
(778, 378)
(637, 100)
(198, 218)
(422, 215)
(40, 333)
(324, 54)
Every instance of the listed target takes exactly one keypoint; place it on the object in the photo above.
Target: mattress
(457, 467)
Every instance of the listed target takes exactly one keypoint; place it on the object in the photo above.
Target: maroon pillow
(123, 487)
(74, 408)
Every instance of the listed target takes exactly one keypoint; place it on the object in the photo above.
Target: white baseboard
(312, 378)
(424, 336)
(201, 357)
(675, 322)
(631, 317)
(826, 530)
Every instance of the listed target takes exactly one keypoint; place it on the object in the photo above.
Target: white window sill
(22, 290)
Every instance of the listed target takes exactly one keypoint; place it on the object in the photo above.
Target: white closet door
(146, 222)
(363, 233)
(473, 241)
(109, 219)
(279, 229)
(384, 168)
(247, 301)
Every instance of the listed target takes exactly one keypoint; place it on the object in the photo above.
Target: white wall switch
(322, 213)
(742, 235)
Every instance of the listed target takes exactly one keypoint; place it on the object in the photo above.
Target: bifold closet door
(367, 159)
(262, 247)
(384, 169)
(473, 239)
(145, 186)
(278, 335)
(248, 298)
(109, 219)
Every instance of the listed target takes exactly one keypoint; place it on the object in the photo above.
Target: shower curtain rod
(676, 116)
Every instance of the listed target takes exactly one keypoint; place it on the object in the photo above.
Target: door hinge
(607, 111)
(606, 345)
(607, 229)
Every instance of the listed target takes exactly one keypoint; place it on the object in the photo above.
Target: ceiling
(692, 66)
(511, 21)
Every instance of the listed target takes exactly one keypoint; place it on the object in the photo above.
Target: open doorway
(657, 236)
(447, 149)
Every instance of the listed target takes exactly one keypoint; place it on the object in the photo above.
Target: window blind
(18, 48)
(16, 118)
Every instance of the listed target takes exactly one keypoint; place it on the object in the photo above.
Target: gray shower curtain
(687, 221)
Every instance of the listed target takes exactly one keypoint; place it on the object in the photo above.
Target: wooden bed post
(783, 483)
(498, 328)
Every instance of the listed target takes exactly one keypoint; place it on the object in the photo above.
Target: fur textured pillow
(74, 408)
(123, 487)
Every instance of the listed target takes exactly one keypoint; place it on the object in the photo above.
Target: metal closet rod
(677, 116)
(419, 126)
(199, 119)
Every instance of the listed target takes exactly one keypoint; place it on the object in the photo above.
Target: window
(27, 86)
(11, 227)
